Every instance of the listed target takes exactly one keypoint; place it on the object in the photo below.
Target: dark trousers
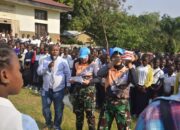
(142, 100)
(27, 74)
(132, 100)
(37, 80)
(56, 97)
(100, 95)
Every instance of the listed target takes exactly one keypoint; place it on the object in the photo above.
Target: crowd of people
(118, 82)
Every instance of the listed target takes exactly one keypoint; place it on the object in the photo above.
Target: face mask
(118, 67)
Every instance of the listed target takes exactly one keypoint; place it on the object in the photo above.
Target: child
(158, 74)
(28, 67)
(169, 81)
(145, 80)
(10, 84)
(36, 77)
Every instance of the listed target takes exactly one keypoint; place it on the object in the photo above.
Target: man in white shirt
(169, 81)
(56, 75)
(158, 75)
(33, 41)
(67, 57)
(23, 39)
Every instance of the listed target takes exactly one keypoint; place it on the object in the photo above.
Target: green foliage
(67, 2)
(171, 27)
(110, 25)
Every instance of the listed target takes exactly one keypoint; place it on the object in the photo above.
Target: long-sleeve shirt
(56, 78)
(89, 69)
(118, 85)
(132, 77)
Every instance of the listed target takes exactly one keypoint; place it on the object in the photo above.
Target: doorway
(5, 27)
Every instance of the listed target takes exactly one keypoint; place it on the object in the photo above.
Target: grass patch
(29, 103)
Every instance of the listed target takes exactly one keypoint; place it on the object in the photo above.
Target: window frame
(40, 14)
(38, 30)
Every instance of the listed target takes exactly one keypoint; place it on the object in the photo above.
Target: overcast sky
(170, 7)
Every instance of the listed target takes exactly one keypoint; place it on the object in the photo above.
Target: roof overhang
(39, 4)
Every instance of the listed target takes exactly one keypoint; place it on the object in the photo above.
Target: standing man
(56, 74)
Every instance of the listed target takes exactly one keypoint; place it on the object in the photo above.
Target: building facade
(31, 17)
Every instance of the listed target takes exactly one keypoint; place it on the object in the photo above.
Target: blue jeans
(56, 97)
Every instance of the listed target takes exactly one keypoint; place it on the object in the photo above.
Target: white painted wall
(54, 22)
(7, 11)
(27, 21)
(25, 16)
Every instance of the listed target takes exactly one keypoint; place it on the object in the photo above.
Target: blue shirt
(57, 77)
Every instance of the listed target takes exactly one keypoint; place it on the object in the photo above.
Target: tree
(67, 2)
(171, 27)
(95, 17)
(109, 24)
(104, 18)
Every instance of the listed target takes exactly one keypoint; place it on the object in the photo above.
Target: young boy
(10, 84)
(169, 81)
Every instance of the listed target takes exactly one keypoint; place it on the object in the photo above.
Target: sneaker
(30, 87)
(56, 128)
(48, 127)
(36, 91)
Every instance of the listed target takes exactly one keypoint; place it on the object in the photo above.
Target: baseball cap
(116, 49)
(84, 52)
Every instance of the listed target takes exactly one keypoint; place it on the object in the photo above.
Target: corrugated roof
(51, 2)
(71, 33)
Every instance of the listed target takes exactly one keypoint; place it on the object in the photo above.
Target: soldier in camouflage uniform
(116, 105)
(84, 90)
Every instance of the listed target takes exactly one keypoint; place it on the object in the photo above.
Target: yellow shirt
(177, 83)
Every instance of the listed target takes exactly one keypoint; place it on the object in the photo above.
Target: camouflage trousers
(120, 111)
(84, 101)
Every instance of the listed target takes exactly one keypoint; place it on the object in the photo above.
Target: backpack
(165, 115)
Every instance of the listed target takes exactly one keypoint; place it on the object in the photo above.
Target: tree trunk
(106, 39)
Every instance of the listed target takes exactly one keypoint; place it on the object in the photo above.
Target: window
(40, 14)
(40, 29)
